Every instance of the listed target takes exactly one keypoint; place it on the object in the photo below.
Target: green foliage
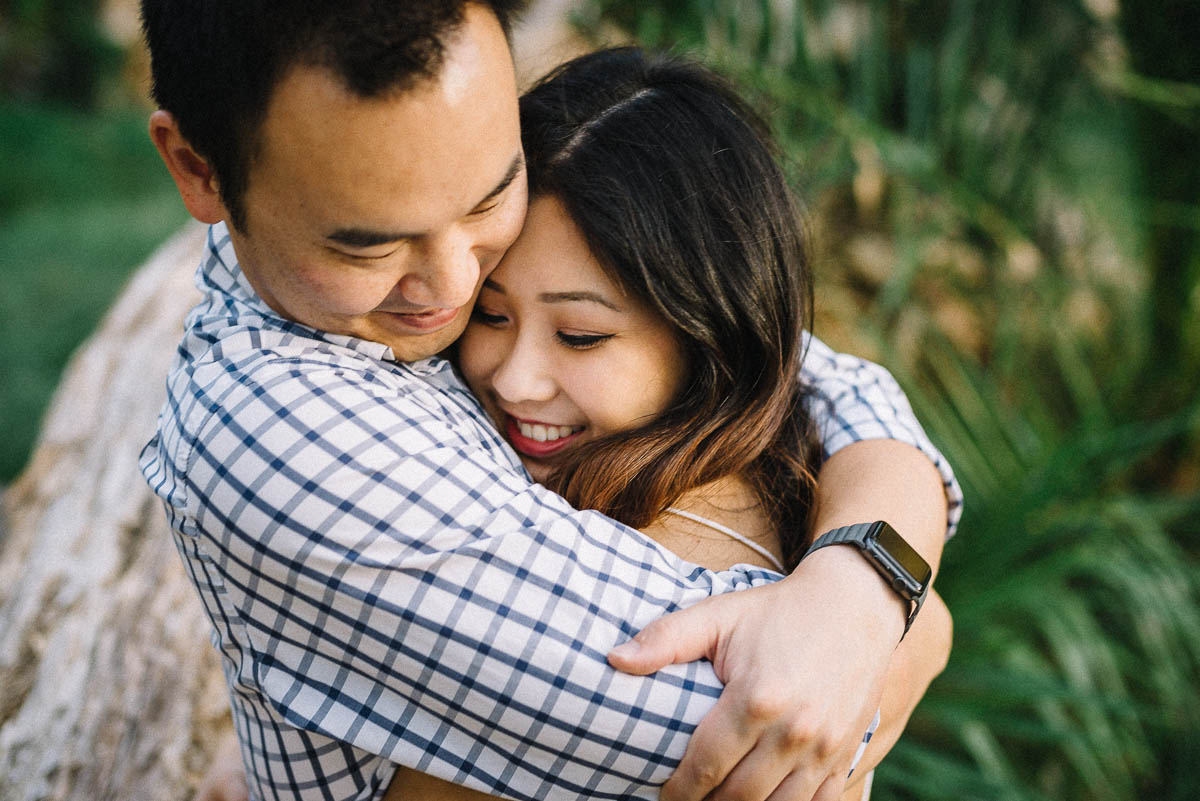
(1075, 602)
(55, 50)
(1010, 190)
(83, 200)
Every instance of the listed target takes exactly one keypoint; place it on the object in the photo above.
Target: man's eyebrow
(560, 297)
(368, 238)
(514, 170)
(365, 237)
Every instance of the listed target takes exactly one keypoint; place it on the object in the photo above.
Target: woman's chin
(538, 469)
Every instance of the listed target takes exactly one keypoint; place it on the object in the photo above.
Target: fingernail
(626, 650)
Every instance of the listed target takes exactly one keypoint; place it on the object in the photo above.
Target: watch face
(903, 554)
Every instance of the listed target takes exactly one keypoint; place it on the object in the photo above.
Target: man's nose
(444, 273)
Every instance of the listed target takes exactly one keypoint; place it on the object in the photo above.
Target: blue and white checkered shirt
(386, 584)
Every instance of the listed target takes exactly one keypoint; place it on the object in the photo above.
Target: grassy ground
(83, 199)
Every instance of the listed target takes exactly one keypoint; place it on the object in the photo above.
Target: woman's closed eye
(487, 318)
(581, 341)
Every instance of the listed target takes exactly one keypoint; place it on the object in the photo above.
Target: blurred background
(1005, 201)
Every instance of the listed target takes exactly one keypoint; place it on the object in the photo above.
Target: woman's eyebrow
(578, 295)
(560, 297)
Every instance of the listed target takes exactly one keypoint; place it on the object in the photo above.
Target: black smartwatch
(902, 567)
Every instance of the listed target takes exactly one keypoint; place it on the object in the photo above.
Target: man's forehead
(409, 160)
(357, 235)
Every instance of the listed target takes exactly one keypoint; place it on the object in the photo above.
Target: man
(385, 584)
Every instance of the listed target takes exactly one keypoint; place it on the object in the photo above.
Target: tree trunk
(109, 687)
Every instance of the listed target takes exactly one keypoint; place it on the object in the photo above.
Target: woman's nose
(524, 374)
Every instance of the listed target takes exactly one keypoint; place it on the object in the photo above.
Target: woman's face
(557, 352)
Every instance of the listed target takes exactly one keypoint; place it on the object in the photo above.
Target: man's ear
(193, 174)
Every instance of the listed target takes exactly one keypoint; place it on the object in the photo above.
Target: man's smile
(422, 321)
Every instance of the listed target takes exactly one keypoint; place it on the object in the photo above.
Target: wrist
(845, 586)
(893, 560)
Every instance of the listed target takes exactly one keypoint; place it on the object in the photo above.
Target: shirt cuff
(859, 400)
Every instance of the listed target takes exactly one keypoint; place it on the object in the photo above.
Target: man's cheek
(505, 233)
(345, 296)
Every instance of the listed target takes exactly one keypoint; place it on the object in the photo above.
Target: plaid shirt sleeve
(857, 400)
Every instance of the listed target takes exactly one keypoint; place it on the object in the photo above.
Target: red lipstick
(531, 447)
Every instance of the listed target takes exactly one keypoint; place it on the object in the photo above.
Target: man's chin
(411, 347)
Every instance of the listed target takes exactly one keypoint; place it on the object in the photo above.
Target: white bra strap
(727, 531)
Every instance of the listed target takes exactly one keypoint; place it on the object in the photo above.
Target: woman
(639, 345)
(652, 310)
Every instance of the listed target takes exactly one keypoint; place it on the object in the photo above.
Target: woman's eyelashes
(581, 341)
(482, 210)
(487, 318)
(573, 340)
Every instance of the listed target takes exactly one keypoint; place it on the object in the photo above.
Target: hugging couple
(497, 450)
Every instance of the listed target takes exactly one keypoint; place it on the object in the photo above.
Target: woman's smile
(558, 352)
(539, 439)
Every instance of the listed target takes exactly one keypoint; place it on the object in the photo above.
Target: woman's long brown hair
(674, 183)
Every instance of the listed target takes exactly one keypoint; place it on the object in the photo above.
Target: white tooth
(565, 431)
(526, 430)
(551, 433)
(539, 433)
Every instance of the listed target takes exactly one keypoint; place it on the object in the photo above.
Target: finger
(798, 787)
(719, 743)
(763, 772)
(226, 778)
(795, 752)
(683, 636)
(844, 782)
(832, 789)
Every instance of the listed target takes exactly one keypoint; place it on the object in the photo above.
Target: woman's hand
(225, 779)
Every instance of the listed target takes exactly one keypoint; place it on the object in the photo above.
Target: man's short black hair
(216, 63)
